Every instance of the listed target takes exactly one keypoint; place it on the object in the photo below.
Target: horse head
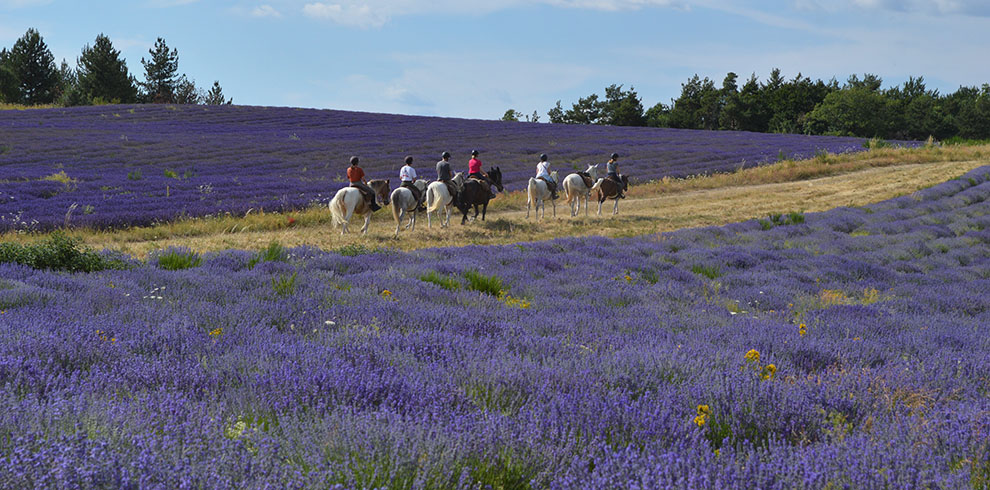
(625, 182)
(593, 171)
(381, 189)
(496, 175)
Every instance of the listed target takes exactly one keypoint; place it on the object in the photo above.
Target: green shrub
(134, 175)
(275, 252)
(709, 271)
(178, 259)
(356, 249)
(283, 285)
(171, 174)
(446, 282)
(58, 252)
(477, 281)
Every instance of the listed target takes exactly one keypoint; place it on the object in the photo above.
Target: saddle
(484, 184)
(586, 177)
(609, 187)
(451, 187)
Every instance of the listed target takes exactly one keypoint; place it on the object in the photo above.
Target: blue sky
(477, 58)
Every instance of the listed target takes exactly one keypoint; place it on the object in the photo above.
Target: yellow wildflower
(802, 329)
(753, 355)
(386, 294)
(768, 372)
(703, 410)
(700, 420)
(216, 332)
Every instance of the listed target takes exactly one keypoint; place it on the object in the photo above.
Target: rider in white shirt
(543, 172)
(407, 175)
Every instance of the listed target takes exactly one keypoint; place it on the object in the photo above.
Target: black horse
(474, 193)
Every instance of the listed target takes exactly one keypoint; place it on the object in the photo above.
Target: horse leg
(615, 210)
(367, 221)
(553, 205)
(484, 209)
(529, 201)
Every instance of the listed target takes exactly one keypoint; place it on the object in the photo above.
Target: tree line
(29, 76)
(859, 107)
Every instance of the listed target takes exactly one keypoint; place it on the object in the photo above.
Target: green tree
(215, 96)
(852, 111)
(102, 74)
(186, 91)
(697, 107)
(658, 116)
(622, 108)
(160, 79)
(34, 67)
(9, 86)
(512, 115)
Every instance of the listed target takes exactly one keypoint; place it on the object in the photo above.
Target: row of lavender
(849, 351)
(116, 166)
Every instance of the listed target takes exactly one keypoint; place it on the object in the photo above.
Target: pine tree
(103, 75)
(9, 86)
(160, 73)
(215, 96)
(34, 66)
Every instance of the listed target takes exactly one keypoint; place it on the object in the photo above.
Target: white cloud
(265, 11)
(935, 7)
(16, 4)
(426, 86)
(376, 13)
(169, 3)
(355, 15)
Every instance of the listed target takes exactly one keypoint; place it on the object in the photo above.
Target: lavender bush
(849, 350)
(118, 166)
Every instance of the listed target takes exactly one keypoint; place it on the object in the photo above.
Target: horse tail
(395, 209)
(434, 201)
(337, 208)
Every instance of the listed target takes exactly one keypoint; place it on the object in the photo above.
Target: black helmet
(354, 160)
(408, 160)
(445, 154)
(615, 156)
(474, 153)
(543, 157)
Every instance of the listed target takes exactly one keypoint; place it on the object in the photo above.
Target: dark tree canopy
(102, 74)
(160, 73)
(33, 66)
(860, 107)
(215, 96)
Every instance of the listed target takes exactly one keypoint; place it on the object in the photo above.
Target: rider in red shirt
(475, 171)
(355, 175)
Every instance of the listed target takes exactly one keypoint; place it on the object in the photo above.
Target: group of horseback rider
(407, 175)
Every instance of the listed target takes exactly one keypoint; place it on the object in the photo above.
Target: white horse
(538, 193)
(576, 187)
(348, 201)
(403, 202)
(438, 196)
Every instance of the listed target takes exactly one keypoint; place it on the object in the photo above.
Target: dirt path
(638, 215)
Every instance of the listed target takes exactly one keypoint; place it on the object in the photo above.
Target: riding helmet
(543, 157)
(615, 156)
(474, 153)
(445, 154)
(409, 160)
(354, 160)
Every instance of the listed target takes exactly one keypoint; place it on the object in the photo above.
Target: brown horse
(609, 189)
(476, 194)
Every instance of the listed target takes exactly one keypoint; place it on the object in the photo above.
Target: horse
(538, 193)
(438, 196)
(349, 201)
(475, 194)
(403, 202)
(607, 189)
(578, 185)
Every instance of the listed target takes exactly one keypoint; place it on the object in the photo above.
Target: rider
(543, 172)
(612, 167)
(475, 171)
(407, 175)
(356, 175)
(443, 173)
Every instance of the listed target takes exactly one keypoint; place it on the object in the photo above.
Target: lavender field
(118, 166)
(847, 350)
